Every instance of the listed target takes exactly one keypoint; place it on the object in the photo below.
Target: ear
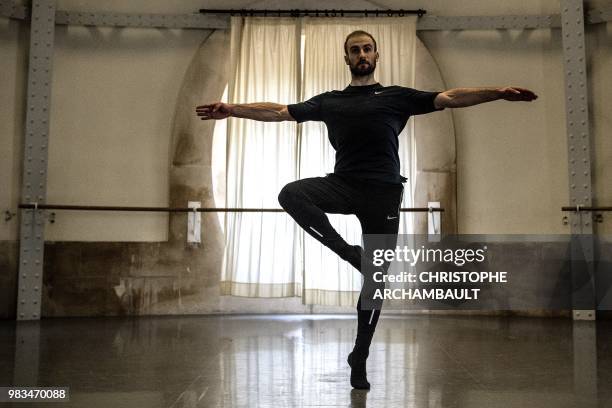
(346, 59)
(377, 56)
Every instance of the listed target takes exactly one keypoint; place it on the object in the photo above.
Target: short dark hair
(355, 34)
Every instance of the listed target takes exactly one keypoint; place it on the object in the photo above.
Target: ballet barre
(36, 206)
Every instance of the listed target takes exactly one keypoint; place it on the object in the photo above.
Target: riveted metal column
(34, 187)
(579, 156)
(579, 168)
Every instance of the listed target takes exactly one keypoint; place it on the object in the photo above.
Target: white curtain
(261, 248)
(328, 279)
(267, 253)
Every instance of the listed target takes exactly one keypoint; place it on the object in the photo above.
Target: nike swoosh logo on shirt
(390, 218)
(378, 93)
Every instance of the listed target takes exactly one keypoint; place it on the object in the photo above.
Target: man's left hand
(514, 93)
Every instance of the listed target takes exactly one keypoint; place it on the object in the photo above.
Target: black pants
(375, 205)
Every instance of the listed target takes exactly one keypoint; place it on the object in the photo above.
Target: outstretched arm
(262, 111)
(463, 97)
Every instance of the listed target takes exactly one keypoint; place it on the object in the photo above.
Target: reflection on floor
(300, 361)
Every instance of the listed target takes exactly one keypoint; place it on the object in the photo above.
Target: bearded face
(361, 55)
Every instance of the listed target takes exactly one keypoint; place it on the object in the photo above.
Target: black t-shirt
(363, 124)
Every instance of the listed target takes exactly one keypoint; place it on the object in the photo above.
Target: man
(363, 122)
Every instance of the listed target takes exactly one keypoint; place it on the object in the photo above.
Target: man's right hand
(218, 110)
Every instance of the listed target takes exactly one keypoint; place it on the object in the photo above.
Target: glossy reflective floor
(300, 361)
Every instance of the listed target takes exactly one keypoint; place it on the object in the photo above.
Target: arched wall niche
(191, 166)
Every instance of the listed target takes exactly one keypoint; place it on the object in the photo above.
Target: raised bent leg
(307, 201)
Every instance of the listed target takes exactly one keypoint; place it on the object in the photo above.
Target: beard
(367, 70)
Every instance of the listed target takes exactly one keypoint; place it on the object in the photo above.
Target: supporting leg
(379, 216)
